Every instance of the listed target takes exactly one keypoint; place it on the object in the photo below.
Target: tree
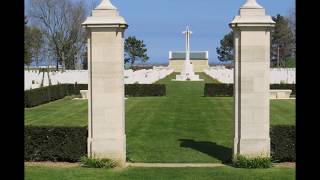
(281, 40)
(60, 21)
(135, 50)
(226, 50)
(85, 60)
(292, 24)
(33, 43)
(27, 43)
(36, 44)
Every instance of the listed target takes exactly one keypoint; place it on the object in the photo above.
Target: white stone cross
(187, 72)
(187, 33)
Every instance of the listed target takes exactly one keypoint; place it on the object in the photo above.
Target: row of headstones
(277, 75)
(33, 79)
(283, 75)
(146, 76)
(221, 74)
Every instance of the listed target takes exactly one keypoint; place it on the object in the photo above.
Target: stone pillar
(106, 123)
(251, 80)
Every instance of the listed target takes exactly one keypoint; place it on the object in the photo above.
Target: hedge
(283, 143)
(69, 144)
(44, 95)
(145, 90)
(218, 90)
(63, 144)
(35, 97)
(284, 86)
(211, 90)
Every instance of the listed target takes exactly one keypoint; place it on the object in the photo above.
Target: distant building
(199, 59)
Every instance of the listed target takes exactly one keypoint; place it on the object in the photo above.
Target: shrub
(290, 62)
(257, 162)
(44, 95)
(283, 143)
(97, 163)
(67, 144)
(140, 67)
(218, 90)
(145, 90)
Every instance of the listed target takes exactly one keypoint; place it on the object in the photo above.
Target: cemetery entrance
(107, 137)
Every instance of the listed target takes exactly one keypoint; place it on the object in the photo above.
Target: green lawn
(64, 112)
(184, 126)
(221, 173)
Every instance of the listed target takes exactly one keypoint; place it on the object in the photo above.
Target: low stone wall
(84, 94)
(198, 65)
(280, 93)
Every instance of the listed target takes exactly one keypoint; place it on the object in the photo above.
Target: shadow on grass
(214, 150)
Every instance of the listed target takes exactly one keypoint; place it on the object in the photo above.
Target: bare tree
(60, 21)
(292, 25)
(292, 19)
(92, 4)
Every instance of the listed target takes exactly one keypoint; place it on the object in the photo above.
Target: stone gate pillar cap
(252, 4)
(105, 15)
(106, 4)
(252, 14)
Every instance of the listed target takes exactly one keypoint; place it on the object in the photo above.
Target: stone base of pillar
(253, 147)
(109, 148)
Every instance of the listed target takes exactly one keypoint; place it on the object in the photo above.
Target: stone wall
(198, 65)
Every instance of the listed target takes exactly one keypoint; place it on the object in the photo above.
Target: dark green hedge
(44, 95)
(69, 144)
(145, 90)
(227, 89)
(218, 90)
(66, 144)
(283, 143)
(284, 86)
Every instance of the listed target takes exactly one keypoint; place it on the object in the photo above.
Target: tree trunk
(132, 62)
(278, 59)
(42, 81)
(48, 71)
(37, 62)
(63, 65)
(57, 65)
(63, 62)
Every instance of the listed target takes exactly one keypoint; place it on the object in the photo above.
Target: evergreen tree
(226, 50)
(135, 50)
(282, 42)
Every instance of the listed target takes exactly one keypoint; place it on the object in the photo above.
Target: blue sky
(160, 22)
